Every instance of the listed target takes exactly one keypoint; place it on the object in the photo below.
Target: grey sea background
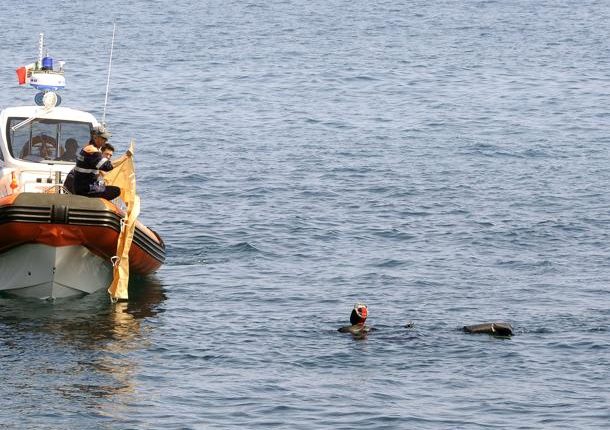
(445, 162)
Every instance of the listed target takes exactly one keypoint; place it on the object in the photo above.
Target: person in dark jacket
(90, 163)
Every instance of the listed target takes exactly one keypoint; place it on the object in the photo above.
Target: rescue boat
(54, 244)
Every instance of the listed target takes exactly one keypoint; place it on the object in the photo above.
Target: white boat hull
(47, 272)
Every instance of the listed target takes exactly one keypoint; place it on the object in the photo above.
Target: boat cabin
(39, 147)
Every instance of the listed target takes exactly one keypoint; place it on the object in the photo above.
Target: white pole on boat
(108, 80)
(40, 48)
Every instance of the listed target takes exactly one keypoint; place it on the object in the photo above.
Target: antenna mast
(108, 80)
(40, 48)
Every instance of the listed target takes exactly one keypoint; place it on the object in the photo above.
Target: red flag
(21, 73)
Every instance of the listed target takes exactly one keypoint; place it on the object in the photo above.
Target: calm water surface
(445, 162)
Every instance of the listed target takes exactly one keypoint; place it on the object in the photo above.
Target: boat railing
(56, 189)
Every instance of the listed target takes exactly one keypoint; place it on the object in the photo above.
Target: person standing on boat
(90, 163)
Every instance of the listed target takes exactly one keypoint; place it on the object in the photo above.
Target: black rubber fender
(493, 328)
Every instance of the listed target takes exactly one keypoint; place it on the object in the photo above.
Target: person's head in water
(359, 314)
(357, 319)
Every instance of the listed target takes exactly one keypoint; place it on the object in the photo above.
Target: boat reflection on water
(88, 318)
(83, 350)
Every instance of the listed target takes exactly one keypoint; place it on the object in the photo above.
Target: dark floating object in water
(356, 329)
(495, 328)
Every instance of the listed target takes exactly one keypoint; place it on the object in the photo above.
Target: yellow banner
(124, 177)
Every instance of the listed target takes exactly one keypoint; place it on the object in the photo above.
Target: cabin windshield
(47, 140)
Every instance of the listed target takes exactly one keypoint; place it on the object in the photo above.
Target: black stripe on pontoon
(43, 215)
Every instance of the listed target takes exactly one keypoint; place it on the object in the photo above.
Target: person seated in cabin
(40, 148)
(69, 154)
(43, 146)
(90, 163)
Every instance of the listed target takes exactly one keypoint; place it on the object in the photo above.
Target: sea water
(445, 162)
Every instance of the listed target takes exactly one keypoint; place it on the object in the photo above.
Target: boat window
(44, 140)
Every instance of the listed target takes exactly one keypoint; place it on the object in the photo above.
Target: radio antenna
(108, 80)
(40, 48)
